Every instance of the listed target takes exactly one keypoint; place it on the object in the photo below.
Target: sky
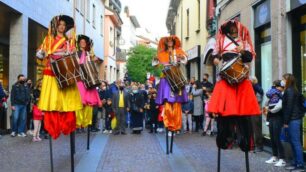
(151, 14)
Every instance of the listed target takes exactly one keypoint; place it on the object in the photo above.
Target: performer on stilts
(59, 104)
(89, 96)
(171, 92)
(233, 100)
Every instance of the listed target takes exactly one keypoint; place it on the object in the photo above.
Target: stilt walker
(233, 101)
(60, 98)
(87, 86)
(171, 92)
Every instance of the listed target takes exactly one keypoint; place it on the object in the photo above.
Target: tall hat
(164, 40)
(89, 42)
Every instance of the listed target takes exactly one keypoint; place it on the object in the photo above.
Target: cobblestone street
(126, 153)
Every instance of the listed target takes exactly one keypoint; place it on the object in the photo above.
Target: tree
(140, 62)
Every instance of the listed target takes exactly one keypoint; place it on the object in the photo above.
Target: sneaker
(105, 131)
(34, 139)
(272, 160)
(280, 163)
(13, 134)
(169, 134)
(38, 138)
(30, 132)
(22, 135)
(110, 132)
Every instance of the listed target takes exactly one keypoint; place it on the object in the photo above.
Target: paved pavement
(126, 153)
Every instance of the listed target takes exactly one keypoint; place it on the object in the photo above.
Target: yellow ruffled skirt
(84, 116)
(53, 98)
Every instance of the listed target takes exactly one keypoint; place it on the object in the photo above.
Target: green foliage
(140, 62)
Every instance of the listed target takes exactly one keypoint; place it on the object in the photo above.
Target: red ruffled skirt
(239, 100)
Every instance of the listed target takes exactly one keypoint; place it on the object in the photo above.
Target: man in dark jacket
(121, 105)
(20, 97)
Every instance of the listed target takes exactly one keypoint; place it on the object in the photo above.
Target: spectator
(29, 107)
(137, 109)
(275, 118)
(257, 119)
(197, 93)
(293, 120)
(121, 105)
(206, 85)
(20, 97)
(109, 114)
(208, 117)
(187, 114)
(2, 100)
(152, 108)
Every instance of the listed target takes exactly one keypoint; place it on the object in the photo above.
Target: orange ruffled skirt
(239, 100)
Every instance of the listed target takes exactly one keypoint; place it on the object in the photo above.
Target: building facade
(112, 36)
(187, 20)
(278, 30)
(24, 24)
(128, 39)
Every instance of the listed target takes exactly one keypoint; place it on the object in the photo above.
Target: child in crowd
(109, 114)
(187, 114)
(37, 119)
(153, 110)
(160, 128)
(208, 117)
(273, 110)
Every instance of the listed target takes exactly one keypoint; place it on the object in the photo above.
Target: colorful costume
(90, 97)
(234, 103)
(165, 96)
(58, 105)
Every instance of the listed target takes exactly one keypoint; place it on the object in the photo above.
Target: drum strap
(232, 39)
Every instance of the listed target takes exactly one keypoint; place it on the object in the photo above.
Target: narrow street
(127, 153)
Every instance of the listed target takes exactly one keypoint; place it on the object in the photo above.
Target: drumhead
(228, 64)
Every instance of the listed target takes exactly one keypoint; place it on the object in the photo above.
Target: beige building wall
(197, 34)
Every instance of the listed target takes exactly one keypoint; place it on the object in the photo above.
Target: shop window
(4, 65)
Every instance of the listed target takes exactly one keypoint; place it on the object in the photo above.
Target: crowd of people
(132, 105)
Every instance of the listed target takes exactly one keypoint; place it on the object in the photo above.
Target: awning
(208, 49)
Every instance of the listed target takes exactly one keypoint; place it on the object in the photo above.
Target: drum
(234, 71)
(175, 77)
(90, 74)
(66, 70)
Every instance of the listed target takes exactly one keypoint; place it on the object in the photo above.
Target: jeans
(295, 141)
(19, 118)
(187, 118)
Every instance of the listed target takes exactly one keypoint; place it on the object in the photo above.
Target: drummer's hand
(216, 61)
(240, 49)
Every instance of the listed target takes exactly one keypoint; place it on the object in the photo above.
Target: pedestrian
(121, 105)
(37, 119)
(209, 120)
(187, 109)
(20, 98)
(153, 112)
(275, 117)
(293, 115)
(160, 119)
(3, 98)
(206, 85)
(137, 109)
(197, 93)
(29, 124)
(109, 114)
(257, 119)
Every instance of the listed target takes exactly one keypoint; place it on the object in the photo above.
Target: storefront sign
(193, 52)
(262, 14)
